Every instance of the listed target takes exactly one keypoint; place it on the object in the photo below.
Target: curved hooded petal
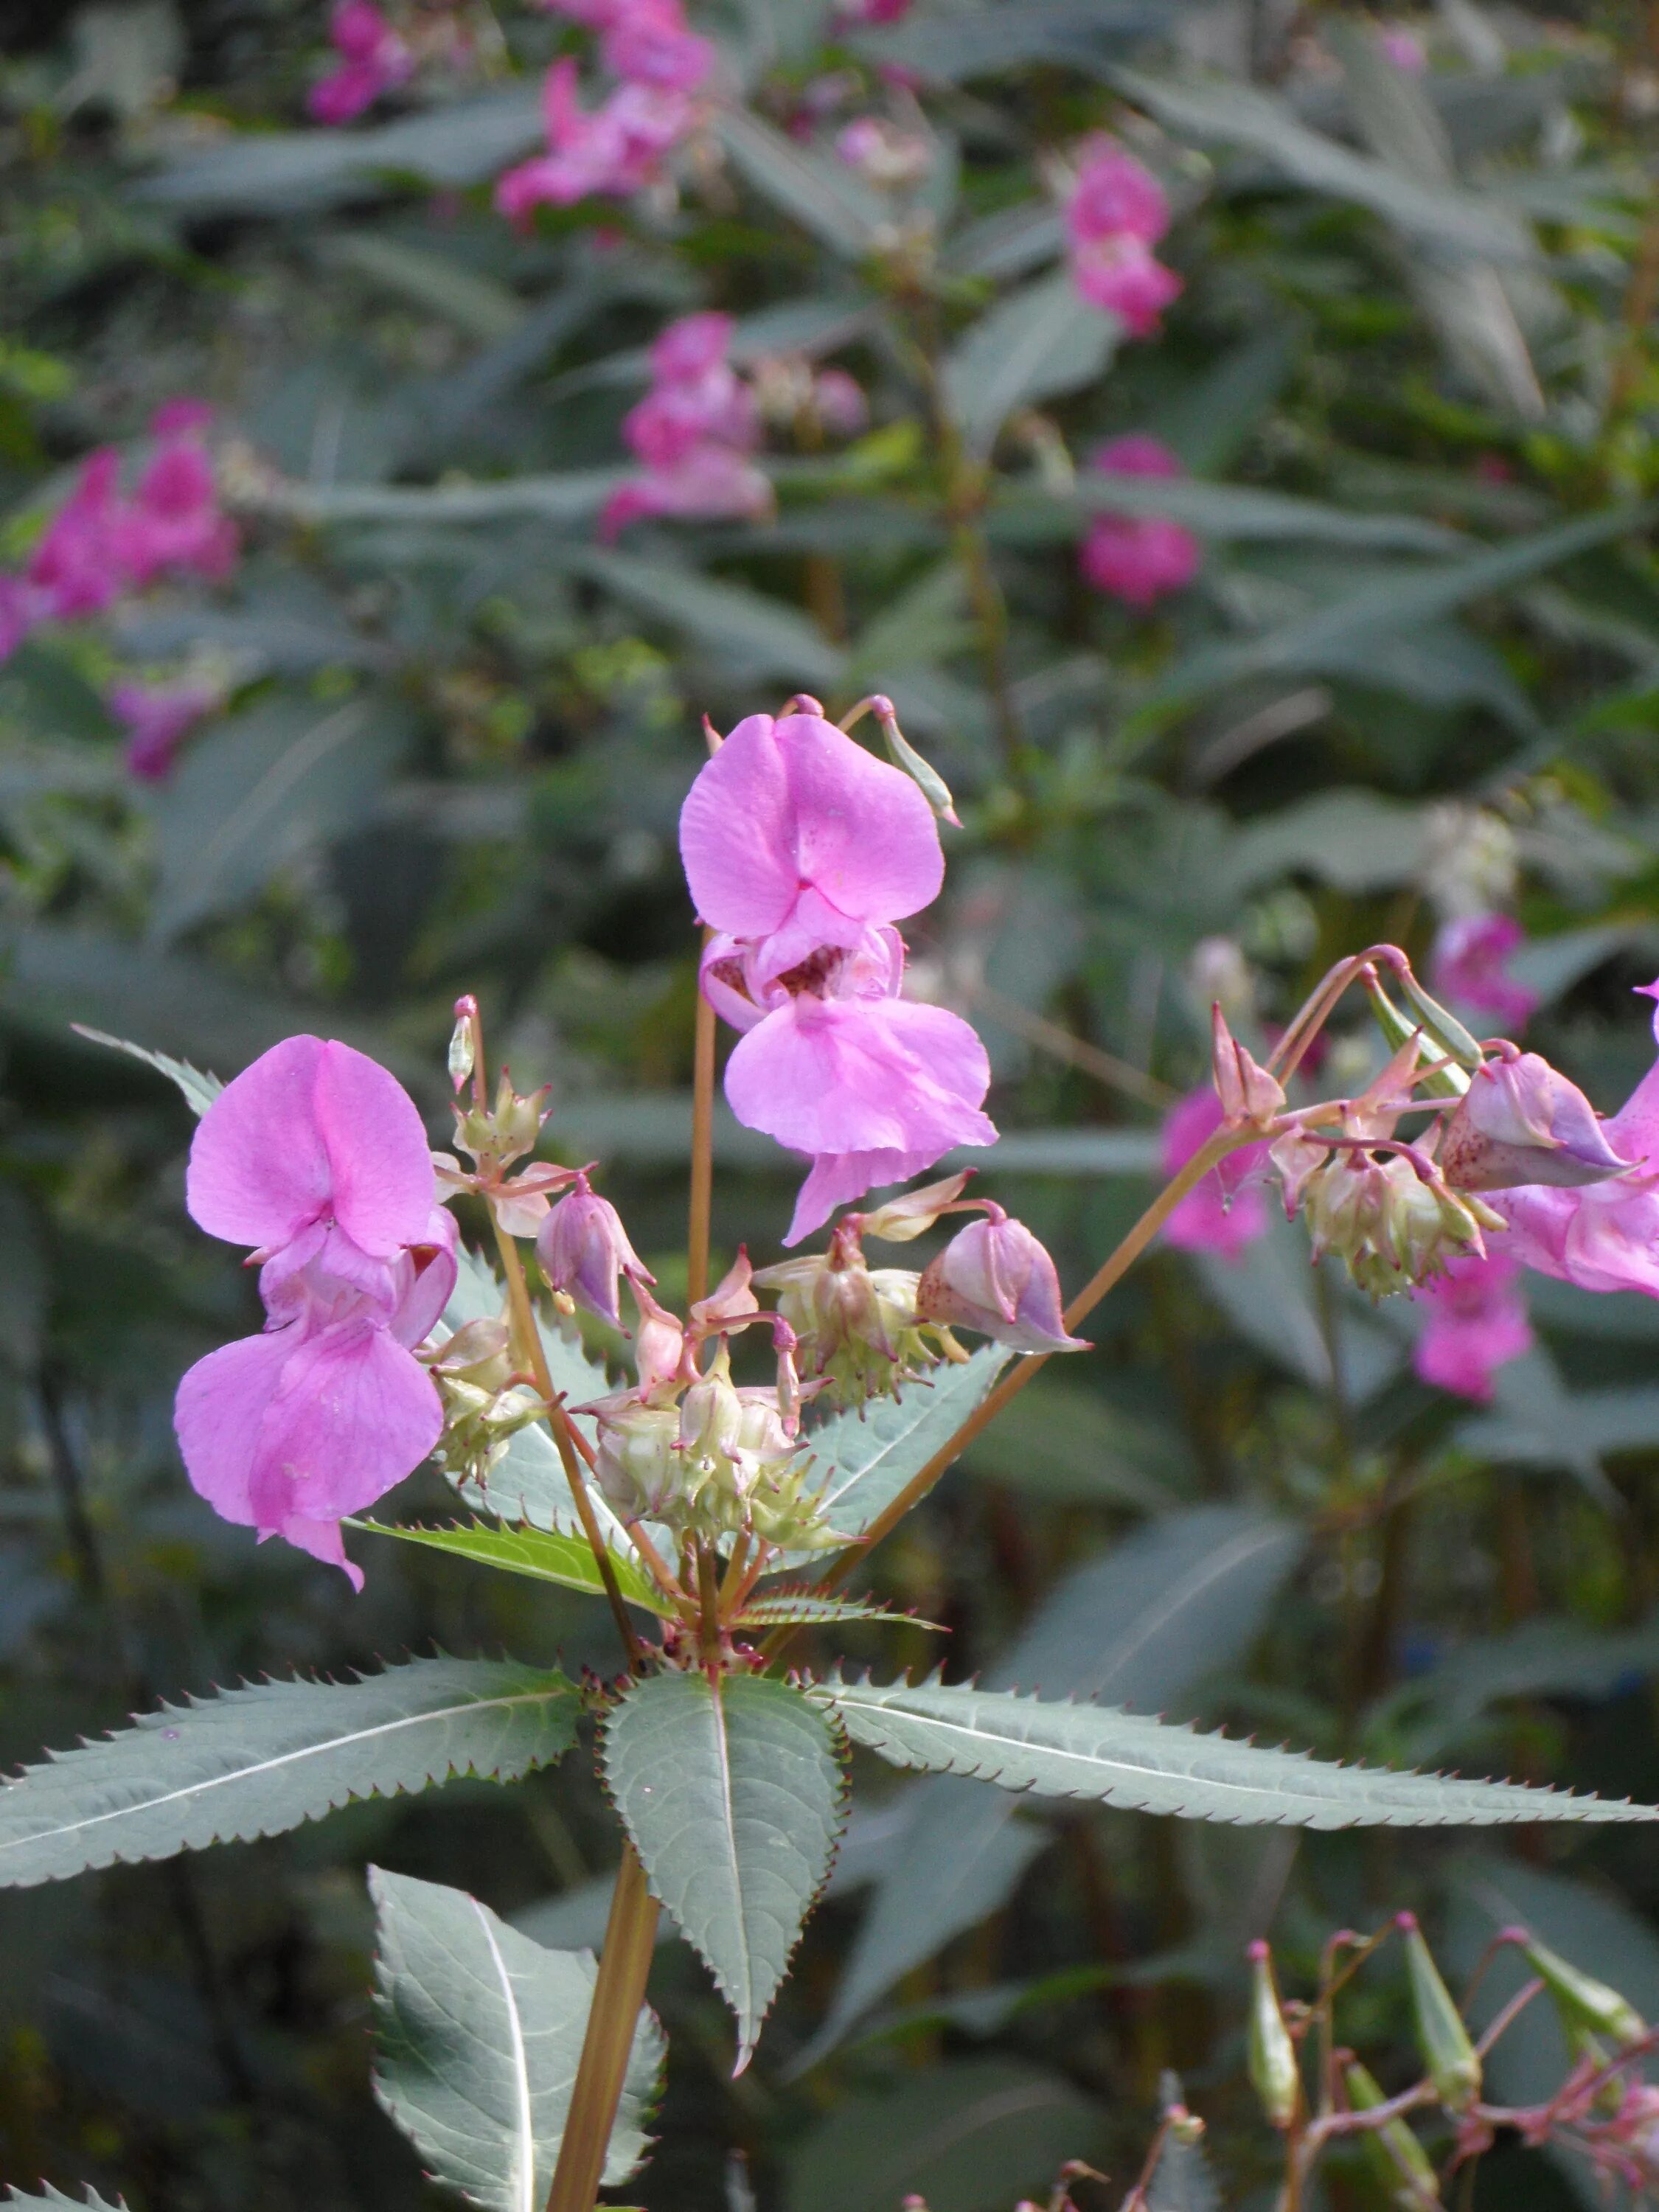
(794, 805)
(432, 1269)
(856, 1075)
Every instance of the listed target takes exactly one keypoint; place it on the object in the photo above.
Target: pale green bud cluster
(1392, 1227)
(856, 1327)
(482, 1405)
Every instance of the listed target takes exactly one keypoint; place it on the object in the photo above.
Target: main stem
(630, 1936)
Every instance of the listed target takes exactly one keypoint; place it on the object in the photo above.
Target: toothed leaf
(478, 2032)
(200, 1090)
(862, 1458)
(91, 2202)
(732, 1794)
(255, 1760)
(548, 1555)
(789, 1609)
(1154, 1767)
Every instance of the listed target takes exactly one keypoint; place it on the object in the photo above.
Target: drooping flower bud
(1584, 2002)
(1522, 1122)
(584, 1251)
(1401, 2165)
(1270, 2054)
(901, 1219)
(463, 1043)
(995, 1277)
(1450, 2059)
(1247, 1092)
(903, 754)
(659, 1340)
(638, 1464)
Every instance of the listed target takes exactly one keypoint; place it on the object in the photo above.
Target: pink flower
(694, 430)
(838, 401)
(1116, 214)
(1404, 49)
(647, 42)
(615, 151)
(1224, 1212)
(801, 849)
(173, 520)
(156, 720)
(315, 1156)
(1520, 1121)
(1138, 557)
(374, 58)
(712, 483)
(1476, 1323)
(584, 1251)
(1603, 1236)
(995, 1277)
(874, 11)
(1467, 966)
(75, 568)
(889, 158)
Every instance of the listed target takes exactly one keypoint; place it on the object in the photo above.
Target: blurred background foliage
(1413, 377)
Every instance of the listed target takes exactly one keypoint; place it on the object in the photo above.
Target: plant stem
(703, 1152)
(528, 1347)
(631, 1936)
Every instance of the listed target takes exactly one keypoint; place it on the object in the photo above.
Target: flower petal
(381, 1166)
(855, 1075)
(259, 1171)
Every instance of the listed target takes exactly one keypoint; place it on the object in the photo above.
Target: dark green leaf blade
(733, 1796)
(255, 1760)
(199, 1090)
(547, 1555)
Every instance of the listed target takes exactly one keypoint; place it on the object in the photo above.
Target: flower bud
(859, 1330)
(914, 1215)
(463, 1043)
(1522, 1122)
(993, 1276)
(638, 1464)
(1401, 2165)
(1247, 1092)
(1452, 2062)
(1270, 2054)
(903, 755)
(497, 1135)
(659, 1340)
(1582, 2001)
(584, 1250)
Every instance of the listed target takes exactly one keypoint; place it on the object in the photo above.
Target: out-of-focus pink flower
(1476, 1323)
(995, 1277)
(75, 568)
(694, 430)
(374, 58)
(1603, 1236)
(801, 849)
(1404, 49)
(874, 11)
(174, 519)
(614, 151)
(888, 158)
(156, 719)
(1519, 1122)
(1138, 557)
(838, 401)
(19, 612)
(647, 42)
(712, 483)
(315, 1156)
(1468, 963)
(1116, 214)
(1224, 1212)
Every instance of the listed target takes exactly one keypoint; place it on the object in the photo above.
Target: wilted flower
(1137, 558)
(855, 1327)
(1225, 1212)
(995, 1277)
(584, 1251)
(1392, 1222)
(315, 1156)
(1116, 214)
(374, 58)
(1520, 1121)
(1469, 965)
(1475, 1322)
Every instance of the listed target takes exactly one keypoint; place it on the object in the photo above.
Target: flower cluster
(1138, 558)
(694, 430)
(373, 58)
(802, 852)
(617, 149)
(1116, 213)
(103, 543)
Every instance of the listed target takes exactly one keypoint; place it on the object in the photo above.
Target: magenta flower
(1225, 1212)
(1469, 965)
(647, 42)
(174, 519)
(694, 430)
(157, 719)
(1476, 1323)
(315, 1156)
(801, 850)
(76, 567)
(374, 58)
(1116, 214)
(585, 1252)
(614, 151)
(1602, 1236)
(1138, 557)
(1520, 1121)
(995, 1277)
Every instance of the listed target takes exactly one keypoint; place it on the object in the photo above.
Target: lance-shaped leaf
(862, 1458)
(1100, 1751)
(478, 2034)
(91, 2202)
(547, 1555)
(798, 1608)
(732, 1793)
(1041, 341)
(255, 1760)
(199, 1090)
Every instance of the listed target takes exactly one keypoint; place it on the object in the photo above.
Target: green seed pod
(1274, 2074)
(1397, 2160)
(1452, 2061)
(1584, 2002)
(1445, 1082)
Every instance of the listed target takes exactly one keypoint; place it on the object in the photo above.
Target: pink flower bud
(1247, 1092)
(994, 1277)
(584, 1250)
(1521, 1122)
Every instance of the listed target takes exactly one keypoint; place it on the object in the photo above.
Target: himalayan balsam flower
(1469, 965)
(1602, 1236)
(316, 1157)
(994, 1276)
(1115, 216)
(1137, 558)
(1475, 1323)
(614, 151)
(1224, 1212)
(158, 719)
(1520, 1121)
(801, 850)
(374, 58)
(695, 431)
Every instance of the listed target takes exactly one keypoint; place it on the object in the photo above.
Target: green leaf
(864, 1456)
(200, 1090)
(827, 199)
(948, 47)
(1115, 1758)
(440, 283)
(255, 1760)
(571, 496)
(785, 1607)
(548, 1555)
(732, 1793)
(1225, 512)
(1037, 342)
(970, 2136)
(478, 2031)
(766, 636)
